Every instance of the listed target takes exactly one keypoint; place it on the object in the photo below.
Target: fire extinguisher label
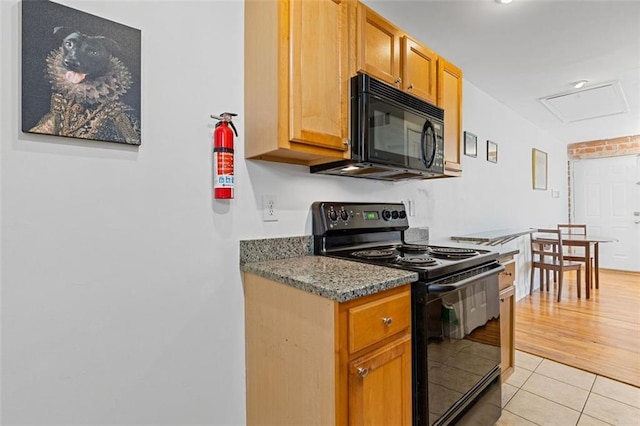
(223, 169)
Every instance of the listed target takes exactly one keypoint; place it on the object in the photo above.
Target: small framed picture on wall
(492, 152)
(470, 144)
(539, 168)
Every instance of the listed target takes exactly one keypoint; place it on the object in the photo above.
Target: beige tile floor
(544, 392)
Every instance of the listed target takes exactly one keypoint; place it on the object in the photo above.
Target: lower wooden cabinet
(379, 391)
(507, 331)
(507, 316)
(314, 361)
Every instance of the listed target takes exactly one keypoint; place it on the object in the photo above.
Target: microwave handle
(428, 162)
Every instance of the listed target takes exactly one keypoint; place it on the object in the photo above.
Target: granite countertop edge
(335, 279)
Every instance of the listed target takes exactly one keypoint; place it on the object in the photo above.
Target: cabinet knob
(346, 142)
(363, 371)
(507, 273)
(387, 320)
(398, 80)
(410, 86)
(502, 299)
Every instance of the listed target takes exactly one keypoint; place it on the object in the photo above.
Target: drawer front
(507, 276)
(376, 320)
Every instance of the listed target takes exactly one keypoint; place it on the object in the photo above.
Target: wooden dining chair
(578, 254)
(546, 256)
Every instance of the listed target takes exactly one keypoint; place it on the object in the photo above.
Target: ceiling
(521, 52)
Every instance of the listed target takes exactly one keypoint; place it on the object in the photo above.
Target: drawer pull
(363, 371)
(387, 320)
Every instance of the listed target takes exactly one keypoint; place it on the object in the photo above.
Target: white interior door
(607, 198)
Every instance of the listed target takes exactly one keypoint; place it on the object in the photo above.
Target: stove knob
(402, 214)
(386, 214)
(394, 214)
(344, 215)
(333, 215)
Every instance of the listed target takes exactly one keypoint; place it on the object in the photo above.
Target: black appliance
(394, 136)
(455, 308)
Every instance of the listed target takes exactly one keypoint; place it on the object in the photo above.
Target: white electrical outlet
(269, 208)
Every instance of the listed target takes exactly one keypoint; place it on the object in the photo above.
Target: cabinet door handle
(410, 86)
(346, 142)
(398, 80)
(363, 371)
(387, 320)
(502, 299)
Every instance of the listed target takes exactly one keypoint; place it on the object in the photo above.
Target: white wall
(121, 295)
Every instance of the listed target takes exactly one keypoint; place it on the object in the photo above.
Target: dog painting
(80, 75)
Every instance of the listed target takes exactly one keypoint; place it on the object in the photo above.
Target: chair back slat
(572, 228)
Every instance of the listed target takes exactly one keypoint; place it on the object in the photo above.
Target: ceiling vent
(591, 102)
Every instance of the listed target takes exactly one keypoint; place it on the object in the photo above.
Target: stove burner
(376, 254)
(418, 261)
(452, 252)
(413, 248)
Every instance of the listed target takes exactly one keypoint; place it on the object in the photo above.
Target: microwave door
(386, 133)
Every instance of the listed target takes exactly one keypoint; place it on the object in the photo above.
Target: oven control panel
(332, 216)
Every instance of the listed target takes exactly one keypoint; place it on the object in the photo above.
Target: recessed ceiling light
(579, 84)
(504, 1)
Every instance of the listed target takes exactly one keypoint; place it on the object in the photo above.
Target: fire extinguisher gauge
(226, 117)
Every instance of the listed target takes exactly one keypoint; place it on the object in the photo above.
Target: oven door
(457, 349)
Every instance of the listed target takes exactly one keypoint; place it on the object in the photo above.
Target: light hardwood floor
(600, 335)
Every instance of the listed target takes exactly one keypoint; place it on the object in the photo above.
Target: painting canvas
(80, 75)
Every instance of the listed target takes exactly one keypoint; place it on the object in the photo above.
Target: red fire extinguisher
(223, 155)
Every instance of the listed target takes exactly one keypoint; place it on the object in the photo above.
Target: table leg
(587, 267)
(597, 267)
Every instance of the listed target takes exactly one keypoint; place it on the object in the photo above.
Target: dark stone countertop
(291, 261)
(335, 279)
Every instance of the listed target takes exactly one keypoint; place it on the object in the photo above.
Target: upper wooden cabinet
(419, 70)
(387, 53)
(450, 99)
(297, 80)
(378, 46)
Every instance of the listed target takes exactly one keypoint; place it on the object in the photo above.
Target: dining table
(590, 242)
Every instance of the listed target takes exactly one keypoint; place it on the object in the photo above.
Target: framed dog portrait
(80, 75)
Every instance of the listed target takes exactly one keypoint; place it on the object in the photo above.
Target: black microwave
(394, 135)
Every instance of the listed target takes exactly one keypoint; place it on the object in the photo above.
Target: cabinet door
(380, 386)
(507, 331)
(318, 71)
(450, 99)
(419, 68)
(378, 44)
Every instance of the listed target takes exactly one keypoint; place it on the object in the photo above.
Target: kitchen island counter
(335, 279)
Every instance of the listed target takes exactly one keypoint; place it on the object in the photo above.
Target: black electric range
(455, 362)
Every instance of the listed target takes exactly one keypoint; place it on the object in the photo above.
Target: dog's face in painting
(85, 56)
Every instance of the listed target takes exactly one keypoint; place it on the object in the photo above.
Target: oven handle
(443, 288)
